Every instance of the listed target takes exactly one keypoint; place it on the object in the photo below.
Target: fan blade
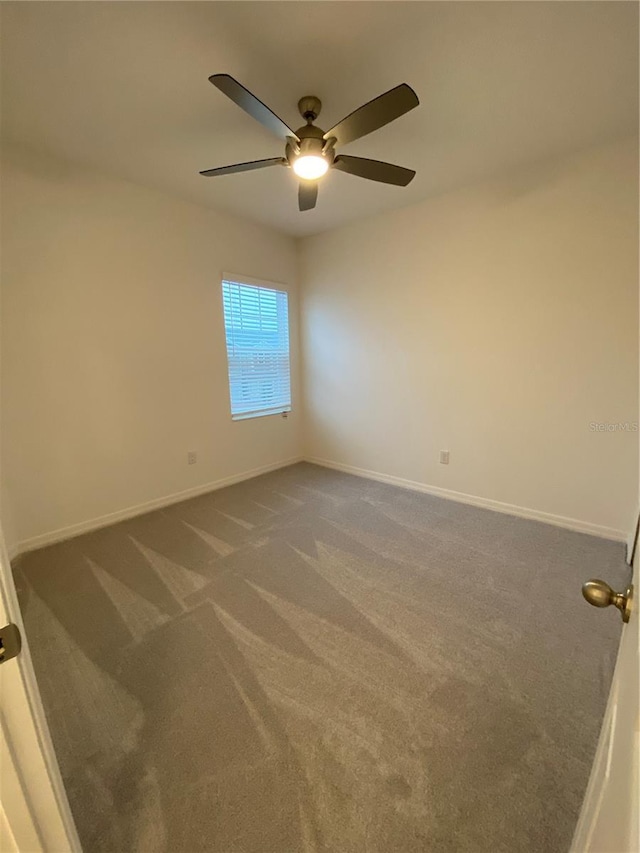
(244, 167)
(252, 105)
(374, 114)
(307, 195)
(374, 170)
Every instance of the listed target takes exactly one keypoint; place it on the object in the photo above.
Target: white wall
(496, 322)
(113, 351)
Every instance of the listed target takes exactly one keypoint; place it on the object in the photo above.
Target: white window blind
(256, 323)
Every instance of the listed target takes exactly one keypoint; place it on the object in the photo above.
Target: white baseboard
(73, 530)
(139, 509)
(474, 500)
(13, 551)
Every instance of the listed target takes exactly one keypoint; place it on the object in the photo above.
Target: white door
(34, 811)
(609, 821)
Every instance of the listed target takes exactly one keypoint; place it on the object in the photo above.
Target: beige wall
(496, 322)
(113, 352)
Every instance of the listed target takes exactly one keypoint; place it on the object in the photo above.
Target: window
(256, 323)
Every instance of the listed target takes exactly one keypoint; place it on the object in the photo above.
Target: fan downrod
(309, 107)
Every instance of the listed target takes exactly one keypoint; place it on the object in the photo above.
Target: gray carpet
(309, 661)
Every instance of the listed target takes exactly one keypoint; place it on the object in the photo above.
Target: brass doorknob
(600, 594)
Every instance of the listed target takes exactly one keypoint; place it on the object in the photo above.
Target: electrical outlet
(444, 457)
(192, 457)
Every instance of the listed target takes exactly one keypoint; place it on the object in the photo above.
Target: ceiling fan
(309, 151)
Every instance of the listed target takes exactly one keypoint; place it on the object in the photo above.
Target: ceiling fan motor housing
(312, 143)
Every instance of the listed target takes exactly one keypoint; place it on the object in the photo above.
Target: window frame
(282, 287)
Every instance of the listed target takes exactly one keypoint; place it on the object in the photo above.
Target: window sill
(283, 413)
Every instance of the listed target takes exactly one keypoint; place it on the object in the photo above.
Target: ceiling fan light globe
(310, 167)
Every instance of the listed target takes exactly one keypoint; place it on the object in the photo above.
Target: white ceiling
(123, 87)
